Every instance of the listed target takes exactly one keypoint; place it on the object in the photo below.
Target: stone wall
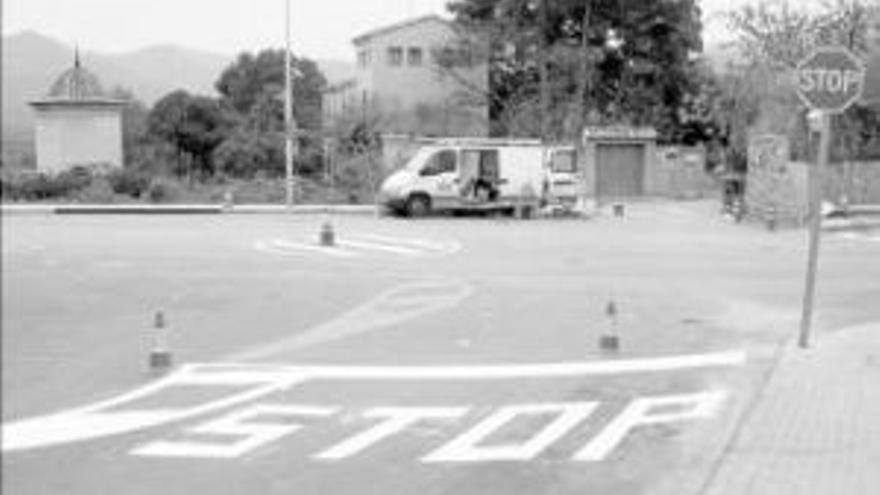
(680, 172)
(858, 182)
(777, 190)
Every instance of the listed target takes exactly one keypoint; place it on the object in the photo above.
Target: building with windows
(401, 87)
(77, 123)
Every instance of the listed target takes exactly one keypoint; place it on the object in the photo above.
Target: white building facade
(77, 124)
(400, 86)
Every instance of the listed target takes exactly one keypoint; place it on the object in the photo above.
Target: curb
(851, 225)
(138, 209)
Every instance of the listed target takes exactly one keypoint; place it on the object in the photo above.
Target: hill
(32, 61)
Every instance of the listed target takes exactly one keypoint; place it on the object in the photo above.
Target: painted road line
(504, 371)
(443, 247)
(371, 246)
(360, 245)
(106, 418)
(400, 304)
(123, 414)
(315, 248)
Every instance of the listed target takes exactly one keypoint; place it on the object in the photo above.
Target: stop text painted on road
(252, 427)
(253, 389)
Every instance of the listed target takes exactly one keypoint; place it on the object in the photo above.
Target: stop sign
(830, 79)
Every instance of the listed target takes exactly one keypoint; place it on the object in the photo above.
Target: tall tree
(258, 79)
(194, 125)
(773, 38)
(253, 86)
(638, 55)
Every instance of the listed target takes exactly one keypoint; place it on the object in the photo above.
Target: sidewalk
(815, 428)
(180, 209)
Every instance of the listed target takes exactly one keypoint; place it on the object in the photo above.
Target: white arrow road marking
(109, 417)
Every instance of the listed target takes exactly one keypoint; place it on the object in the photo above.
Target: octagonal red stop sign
(830, 79)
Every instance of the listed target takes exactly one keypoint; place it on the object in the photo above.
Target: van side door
(439, 178)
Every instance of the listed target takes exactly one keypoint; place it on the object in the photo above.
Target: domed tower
(77, 123)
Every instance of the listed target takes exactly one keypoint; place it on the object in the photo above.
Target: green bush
(36, 187)
(98, 191)
(73, 180)
(162, 190)
(128, 182)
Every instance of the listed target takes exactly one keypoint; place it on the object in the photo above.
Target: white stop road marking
(123, 415)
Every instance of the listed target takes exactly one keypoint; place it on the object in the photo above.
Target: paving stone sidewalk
(815, 428)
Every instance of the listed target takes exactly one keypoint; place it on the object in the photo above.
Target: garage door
(620, 170)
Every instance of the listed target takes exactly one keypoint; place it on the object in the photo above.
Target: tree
(135, 134)
(627, 60)
(773, 38)
(253, 87)
(194, 125)
(254, 80)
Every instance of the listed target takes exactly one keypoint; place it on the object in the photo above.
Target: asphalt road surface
(449, 355)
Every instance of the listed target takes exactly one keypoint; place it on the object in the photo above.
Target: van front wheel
(418, 206)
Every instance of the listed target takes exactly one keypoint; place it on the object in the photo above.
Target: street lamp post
(288, 110)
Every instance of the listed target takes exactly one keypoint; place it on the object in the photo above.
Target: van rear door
(563, 175)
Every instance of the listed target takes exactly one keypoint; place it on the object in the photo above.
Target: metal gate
(620, 170)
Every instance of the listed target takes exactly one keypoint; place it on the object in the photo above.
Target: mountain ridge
(31, 61)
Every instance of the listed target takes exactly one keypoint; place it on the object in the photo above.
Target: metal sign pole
(816, 183)
(288, 111)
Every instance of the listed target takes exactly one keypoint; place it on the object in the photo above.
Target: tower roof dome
(77, 84)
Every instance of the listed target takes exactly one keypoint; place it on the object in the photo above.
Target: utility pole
(289, 125)
(543, 69)
(582, 83)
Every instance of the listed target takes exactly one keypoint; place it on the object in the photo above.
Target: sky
(319, 28)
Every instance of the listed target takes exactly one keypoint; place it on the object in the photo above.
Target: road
(437, 356)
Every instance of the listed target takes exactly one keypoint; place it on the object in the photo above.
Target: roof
(77, 85)
(363, 38)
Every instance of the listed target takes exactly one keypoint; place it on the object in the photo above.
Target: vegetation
(554, 67)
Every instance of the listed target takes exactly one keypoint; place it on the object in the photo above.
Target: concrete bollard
(228, 200)
(328, 237)
(160, 354)
(610, 341)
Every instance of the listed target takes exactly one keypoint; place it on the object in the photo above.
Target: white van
(482, 174)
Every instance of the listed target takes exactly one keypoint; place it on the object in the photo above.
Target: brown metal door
(620, 170)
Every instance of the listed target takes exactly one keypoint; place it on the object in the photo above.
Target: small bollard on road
(160, 354)
(328, 237)
(619, 210)
(610, 341)
(228, 200)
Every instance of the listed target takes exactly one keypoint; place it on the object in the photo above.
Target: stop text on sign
(258, 425)
(830, 80)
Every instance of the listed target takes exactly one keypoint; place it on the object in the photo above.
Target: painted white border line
(484, 372)
(443, 247)
(279, 246)
(372, 246)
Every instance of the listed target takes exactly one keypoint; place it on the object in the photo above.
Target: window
(363, 58)
(414, 57)
(395, 56)
(441, 163)
(564, 161)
